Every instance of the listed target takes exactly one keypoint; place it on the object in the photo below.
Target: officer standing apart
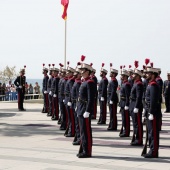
(84, 109)
(152, 107)
(102, 91)
(20, 84)
(113, 99)
(124, 104)
(136, 108)
(166, 93)
(44, 89)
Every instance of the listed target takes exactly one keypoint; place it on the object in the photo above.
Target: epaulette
(153, 83)
(114, 79)
(90, 81)
(139, 83)
(127, 83)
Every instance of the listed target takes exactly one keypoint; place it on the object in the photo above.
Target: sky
(105, 31)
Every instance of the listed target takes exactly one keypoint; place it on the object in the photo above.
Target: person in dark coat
(54, 94)
(166, 93)
(102, 94)
(20, 84)
(136, 108)
(84, 110)
(152, 98)
(113, 99)
(70, 130)
(74, 98)
(44, 90)
(94, 78)
(124, 104)
(130, 79)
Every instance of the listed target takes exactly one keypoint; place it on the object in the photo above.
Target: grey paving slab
(30, 140)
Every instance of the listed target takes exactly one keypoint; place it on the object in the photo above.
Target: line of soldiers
(75, 93)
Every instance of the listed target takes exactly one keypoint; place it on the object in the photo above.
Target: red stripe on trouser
(155, 137)
(89, 140)
(114, 116)
(72, 122)
(56, 109)
(139, 128)
(104, 111)
(19, 99)
(66, 114)
(127, 128)
(46, 96)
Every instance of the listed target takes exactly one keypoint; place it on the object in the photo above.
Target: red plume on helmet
(151, 64)
(78, 63)
(111, 65)
(136, 63)
(43, 64)
(53, 65)
(102, 64)
(91, 64)
(147, 60)
(49, 65)
(130, 66)
(121, 67)
(68, 62)
(124, 66)
(61, 65)
(83, 58)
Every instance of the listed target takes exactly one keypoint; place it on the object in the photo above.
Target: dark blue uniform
(102, 91)
(145, 84)
(20, 81)
(131, 81)
(54, 89)
(94, 111)
(61, 88)
(45, 96)
(124, 101)
(136, 102)
(152, 98)
(166, 92)
(160, 84)
(74, 99)
(70, 131)
(112, 96)
(49, 83)
(85, 104)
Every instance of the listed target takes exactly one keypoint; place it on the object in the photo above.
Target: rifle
(146, 140)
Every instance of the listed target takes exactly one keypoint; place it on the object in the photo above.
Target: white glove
(136, 110)
(86, 114)
(102, 98)
(69, 104)
(150, 116)
(20, 87)
(63, 101)
(45, 92)
(111, 102)
(50, 93)
(126, 107)
(54, 95)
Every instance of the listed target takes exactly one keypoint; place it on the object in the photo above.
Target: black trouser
(86, 135)
(125, 122)
(113, 116)
(153, 135)
(50, 103)
(45, 107)
(167, 103)
(137, 126)
(77, 128)
(56, 107)
(103, 110)
(20, 98)
(63, 114)
(71, 121)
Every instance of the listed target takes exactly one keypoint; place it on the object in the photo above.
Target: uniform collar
(124, 81)
(87, 78)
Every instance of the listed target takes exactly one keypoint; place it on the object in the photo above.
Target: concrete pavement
(30, 140)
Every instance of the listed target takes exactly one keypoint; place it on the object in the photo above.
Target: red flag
(65, 6)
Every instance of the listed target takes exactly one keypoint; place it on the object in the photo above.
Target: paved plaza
(31, 141)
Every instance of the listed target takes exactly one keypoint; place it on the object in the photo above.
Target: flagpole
(65, 44)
